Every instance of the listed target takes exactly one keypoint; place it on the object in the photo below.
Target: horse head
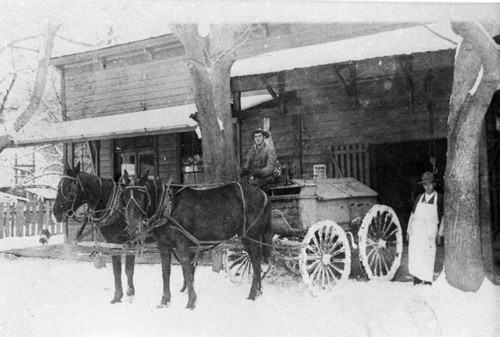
(137, 200)
(69, 195)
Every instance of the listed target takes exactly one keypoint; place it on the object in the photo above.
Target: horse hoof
(115, 301)
(252, 298)
(162, 306)
(190, 307)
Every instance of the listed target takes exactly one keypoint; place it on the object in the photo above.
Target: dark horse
(195, 218)
(102, 197)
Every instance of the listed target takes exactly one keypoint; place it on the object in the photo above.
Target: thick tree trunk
(477, 56)
(485, 205)
(210, 61)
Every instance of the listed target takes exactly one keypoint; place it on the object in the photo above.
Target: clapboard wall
(390, 100)
(152, 74)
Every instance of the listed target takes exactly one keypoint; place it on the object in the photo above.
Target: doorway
(396, 169)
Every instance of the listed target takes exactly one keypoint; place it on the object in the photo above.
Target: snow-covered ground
(47, 297)
(27, 241)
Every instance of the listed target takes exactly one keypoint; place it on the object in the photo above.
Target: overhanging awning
(149, 122)
(432, 37)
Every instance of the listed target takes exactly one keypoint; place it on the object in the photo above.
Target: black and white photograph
(247, 168)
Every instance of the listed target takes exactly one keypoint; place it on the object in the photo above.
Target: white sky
(133, 20)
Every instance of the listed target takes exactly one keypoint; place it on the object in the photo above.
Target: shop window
(191, 159)
(136, 155)
(82, 153)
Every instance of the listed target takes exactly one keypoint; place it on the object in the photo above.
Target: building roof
(167, 120)
(424, 38)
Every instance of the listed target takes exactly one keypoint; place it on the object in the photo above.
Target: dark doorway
(396, 169)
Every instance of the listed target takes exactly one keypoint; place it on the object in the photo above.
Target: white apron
(423, 230)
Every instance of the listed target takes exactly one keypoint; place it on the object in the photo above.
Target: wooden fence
(27, 219)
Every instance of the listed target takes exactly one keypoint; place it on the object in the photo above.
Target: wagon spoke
(392, 233)
(332, 275)
(332, 249)
(238, 260)
(313, 265)
(314, 246)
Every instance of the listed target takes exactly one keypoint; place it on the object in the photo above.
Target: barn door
(351, 160)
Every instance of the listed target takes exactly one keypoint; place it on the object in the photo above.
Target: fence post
(19, 218)
(2, 219)
(48, 219)
(8, 220)
(39, 216)
(30, 224)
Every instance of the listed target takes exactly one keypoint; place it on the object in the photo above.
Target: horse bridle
(70, 213)
(143, 190)
(76, 181)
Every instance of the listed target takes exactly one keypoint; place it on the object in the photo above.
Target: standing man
(260, 161)
(423, 231)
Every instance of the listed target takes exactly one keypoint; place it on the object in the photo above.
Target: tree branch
(2, 106)
(13, 43)
(40, 80)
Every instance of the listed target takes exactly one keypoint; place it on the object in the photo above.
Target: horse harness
(108, 215)
(163, 216)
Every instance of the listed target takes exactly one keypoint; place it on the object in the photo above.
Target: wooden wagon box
(307, 201)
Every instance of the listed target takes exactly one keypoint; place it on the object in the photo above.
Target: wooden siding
(388, 109)
(169, 153)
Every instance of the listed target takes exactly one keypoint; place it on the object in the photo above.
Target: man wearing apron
(423, 231)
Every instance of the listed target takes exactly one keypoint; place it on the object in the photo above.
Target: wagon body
(313, 221)
(343, 200)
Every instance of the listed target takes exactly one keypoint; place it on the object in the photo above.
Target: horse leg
(117, 273)
(188, 273)
(166, 259)
(179, 260)
(253, 250)
(129, 271)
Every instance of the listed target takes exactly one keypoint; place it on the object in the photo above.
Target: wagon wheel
(238, 265)
(380, 243)
(325, 255)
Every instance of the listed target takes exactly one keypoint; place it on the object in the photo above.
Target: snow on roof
(166, 120)
(398, 42)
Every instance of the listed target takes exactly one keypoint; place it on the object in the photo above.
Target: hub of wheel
(382, 243)
(326, 259)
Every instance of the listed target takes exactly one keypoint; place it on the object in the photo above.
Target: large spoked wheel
(238, 265)
(325, 256)
(380, 243)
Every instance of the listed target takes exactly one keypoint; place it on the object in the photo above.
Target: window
(136, 155)
(191, 158)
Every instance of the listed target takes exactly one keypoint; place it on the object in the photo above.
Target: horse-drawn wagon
(311, 222)
(315, 224)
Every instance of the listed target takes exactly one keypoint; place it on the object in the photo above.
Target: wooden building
(374, 115)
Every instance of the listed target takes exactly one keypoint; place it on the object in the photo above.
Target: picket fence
(27, 219)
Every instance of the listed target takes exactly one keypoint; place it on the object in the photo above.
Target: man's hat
(263, 132)
(428, 177)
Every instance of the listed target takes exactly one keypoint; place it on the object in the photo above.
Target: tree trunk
(39, 87)
(209, 61)
(477, 54)
(485, 204)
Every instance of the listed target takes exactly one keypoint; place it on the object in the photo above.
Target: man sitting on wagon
(260, 163)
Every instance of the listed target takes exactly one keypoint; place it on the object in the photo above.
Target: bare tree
(476, 78)
(39, 85)
(210, 57)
